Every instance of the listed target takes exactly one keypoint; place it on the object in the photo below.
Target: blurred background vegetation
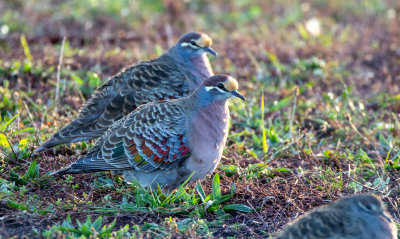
(321, 121)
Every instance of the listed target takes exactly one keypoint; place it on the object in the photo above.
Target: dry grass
(348, 78)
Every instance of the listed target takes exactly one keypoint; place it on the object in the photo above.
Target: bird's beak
(238, 95)
(210, 50)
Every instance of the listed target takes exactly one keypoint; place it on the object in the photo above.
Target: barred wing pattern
(330, 224)
(153, 137)
(136, 85)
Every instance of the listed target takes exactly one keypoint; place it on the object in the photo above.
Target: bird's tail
(72, 133)
(90, 164)
(73, 169)
(86, 164)
(66, 170)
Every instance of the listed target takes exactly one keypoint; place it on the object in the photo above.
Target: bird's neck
(201, 107)
(196, 68)
(207, 134)
(211, 119)
(217, 109)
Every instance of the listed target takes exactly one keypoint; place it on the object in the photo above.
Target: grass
(321, 118)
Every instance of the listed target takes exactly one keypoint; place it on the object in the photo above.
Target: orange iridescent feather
(182, 150)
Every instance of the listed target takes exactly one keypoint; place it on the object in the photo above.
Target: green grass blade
(200, 191)
(27, 51)
(237, 207)
(216, 188)
(264, 137)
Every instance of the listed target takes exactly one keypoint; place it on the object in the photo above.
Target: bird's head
(220, 88)
(195, 43)
(369, 204)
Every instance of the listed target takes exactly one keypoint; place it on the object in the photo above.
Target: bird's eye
(193, 43)
(221, 86)
(368, 207)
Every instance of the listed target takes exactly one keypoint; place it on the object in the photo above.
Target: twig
(291, 117)
(168, 31)
(25, 96)
(60, 60)
(144, 217)
(395, 207)
(256, 64)
(90, 195)
(33, 122)
(12, 148)
(259, 216)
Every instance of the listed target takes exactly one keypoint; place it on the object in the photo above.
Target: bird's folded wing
(332, 224)
(154, 137)
(136, 85)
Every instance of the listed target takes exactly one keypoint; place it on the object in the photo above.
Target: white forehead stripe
(208, 88)
(184, 44)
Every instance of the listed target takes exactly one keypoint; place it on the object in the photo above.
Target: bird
(360, 216)
(176, 73)
(166, 142)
